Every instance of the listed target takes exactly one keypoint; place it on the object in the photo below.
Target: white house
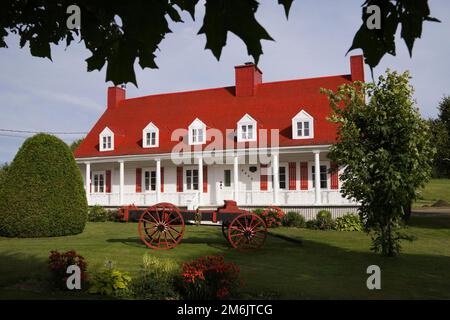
(256, 143)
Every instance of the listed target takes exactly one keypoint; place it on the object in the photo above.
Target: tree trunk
(407, 213)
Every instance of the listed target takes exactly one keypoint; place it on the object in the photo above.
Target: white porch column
(87, 181)
(200, 180)
(158, 180)
(236, 177)
(318, 199)
(276, 178)
(121, 181)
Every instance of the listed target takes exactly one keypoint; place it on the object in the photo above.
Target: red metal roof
(273, 106)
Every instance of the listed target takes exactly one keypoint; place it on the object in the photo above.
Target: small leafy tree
(444, 112)
(385, 149)
(75, 144)
(3, 171)
(441, 140)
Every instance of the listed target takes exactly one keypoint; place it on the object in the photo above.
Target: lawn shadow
(15, 267)
(430, 222)
(319, 270)
(200, 237)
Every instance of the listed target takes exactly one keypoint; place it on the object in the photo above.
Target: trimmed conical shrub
(42, 194)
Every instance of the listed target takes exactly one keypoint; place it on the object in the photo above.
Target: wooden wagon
(162, 226)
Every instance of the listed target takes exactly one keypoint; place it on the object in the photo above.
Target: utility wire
(2, 135)
(50, 132)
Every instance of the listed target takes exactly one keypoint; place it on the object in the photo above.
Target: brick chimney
(115, 95)
(357, 68)
(248, 76)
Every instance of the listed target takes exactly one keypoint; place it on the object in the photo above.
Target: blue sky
(39, 95)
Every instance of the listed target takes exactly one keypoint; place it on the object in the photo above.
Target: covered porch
(283, 178)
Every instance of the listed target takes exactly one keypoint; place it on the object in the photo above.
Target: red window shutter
(263, 177)
(334, 176)
(303, 175)
(179, 179)
(205, 179)
(138, 180)
(162, 179)
(292, 176)
(108, 181)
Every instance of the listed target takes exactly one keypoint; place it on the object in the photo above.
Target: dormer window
(106, 140)
(302, 126)
(246, 129)
(150, 136)
(197, 132)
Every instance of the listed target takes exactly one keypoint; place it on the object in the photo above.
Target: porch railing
(285, 198)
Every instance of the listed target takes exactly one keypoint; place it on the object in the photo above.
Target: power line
(49, 132)
(12, 136)
(2, 135)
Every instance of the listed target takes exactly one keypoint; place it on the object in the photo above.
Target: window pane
(323, 177)
(306, 129)
(250, 132)
(227, 178)
(104, 142)
(109, 142)
(282, 177)
(194, 135)
(147, 181)
(200, 135)
(244, 132)
(153, 140)
(101, 182)
(195, 179)
(313, 176)
(188, 179)
(95, 183)
(299, 129)
(153, 180)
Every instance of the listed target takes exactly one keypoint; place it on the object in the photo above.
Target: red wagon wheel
(161, 226)
(247, 232)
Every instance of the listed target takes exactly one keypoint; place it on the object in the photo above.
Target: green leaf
(121, 64)
(415, 12)
(377, 43)
(238, 17)
(95, 62)
(287, 6)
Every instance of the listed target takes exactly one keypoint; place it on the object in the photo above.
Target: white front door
(224, 188)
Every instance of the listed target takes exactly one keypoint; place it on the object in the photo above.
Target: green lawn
(436, 189)
(329, 264)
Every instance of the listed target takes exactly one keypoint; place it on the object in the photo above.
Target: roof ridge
(232, 87)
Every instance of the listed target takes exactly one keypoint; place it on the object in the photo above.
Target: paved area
(432, 211)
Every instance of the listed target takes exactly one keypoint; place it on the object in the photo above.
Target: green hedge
(349, 222)
(323, 221)
(99, 214)
(42, 193)
(294, 219)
